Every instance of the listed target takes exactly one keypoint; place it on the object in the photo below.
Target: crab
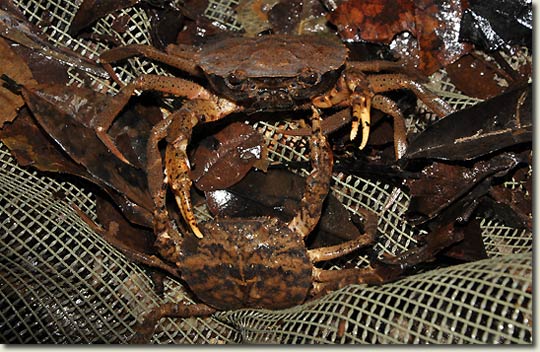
(258, 262)
(266, 73)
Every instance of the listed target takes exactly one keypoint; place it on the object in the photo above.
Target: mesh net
(62, 283)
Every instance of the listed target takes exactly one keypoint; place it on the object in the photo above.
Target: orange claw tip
(188, 216)
(365, 136)
(195, 230)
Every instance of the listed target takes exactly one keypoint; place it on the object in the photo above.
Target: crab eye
(308, 76)
(235, 78)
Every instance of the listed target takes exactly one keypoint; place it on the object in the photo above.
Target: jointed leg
(164, 84)
(388, 106)
(145, 330)
(157, 181)
(176, 171)
(387, 82)
(116, 54)
(339, 250)
(330, 280)
(317, 183)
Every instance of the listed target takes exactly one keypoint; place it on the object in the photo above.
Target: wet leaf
(501, 122)
(22, 32)
(223, 159)
(165, 25)
(136, 238)
(440, 184)
(472, 247)
(474, 77)
(515, 202)
(278, 193)
(498, 24)
(31, 146)
(65, 114)
(253, 15)
(285, 16)
(92, 10)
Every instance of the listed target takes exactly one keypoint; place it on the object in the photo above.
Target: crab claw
(362, 118)
(177, 171)
(187, 214)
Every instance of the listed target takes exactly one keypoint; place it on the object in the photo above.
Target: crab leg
(361, 111)
(116, 54)
(157, 183)
(387, 82)
(336, 251)
(164, 84)
(177, 166)
(317, 183)
(145, 330)
(332, 252)
(330, 280)
(351, 90)
(378, 66)
(388, 106)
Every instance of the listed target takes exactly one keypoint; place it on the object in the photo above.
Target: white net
(62, 283)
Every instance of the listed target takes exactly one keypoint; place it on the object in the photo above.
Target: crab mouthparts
(275, 99)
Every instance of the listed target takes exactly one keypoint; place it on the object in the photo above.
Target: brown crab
(259, 262)
(266, 73)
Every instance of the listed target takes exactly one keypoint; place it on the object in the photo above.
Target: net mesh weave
(62, 283)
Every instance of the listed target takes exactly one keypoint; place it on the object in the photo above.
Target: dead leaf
(223, 159)
(278, 193)
(92, 10)
(435, 24)
(373, 20)
(15, 68)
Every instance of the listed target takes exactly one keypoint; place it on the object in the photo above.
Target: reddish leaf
(437, 30)
(434, 23)
(373, 20)
(475, 77)
(225, 158)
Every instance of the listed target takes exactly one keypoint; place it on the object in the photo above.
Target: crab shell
(246, 263)
(277, 72)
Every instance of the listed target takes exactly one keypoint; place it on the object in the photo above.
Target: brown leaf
(92, 10)
(31, 146)
(278, 193)
(59, 110)
(223, 159)
(442, 184)
(474, 77)
(13, 66)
